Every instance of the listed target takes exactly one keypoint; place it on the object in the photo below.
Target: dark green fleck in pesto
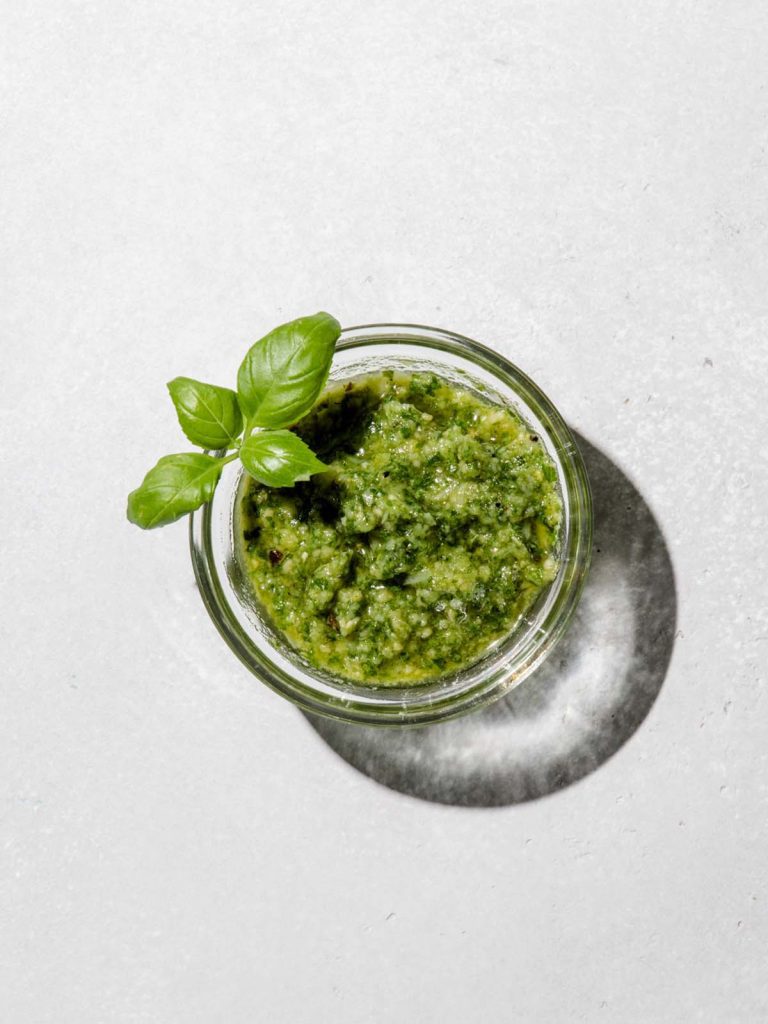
(433, 531)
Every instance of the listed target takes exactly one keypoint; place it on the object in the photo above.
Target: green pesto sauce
(433, 531)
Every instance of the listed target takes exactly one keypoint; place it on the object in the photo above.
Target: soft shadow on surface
(575, 711)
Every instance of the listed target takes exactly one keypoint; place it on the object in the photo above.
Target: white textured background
(582, 185)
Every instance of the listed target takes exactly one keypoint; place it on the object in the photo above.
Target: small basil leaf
(283, 373)
(209, 415)
(176, 485)
(278, 458)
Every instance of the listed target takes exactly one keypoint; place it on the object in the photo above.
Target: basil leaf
(278, 458)
(176, 485)
(209, 416)
(283, 373)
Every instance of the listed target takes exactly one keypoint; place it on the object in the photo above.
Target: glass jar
(235, 610)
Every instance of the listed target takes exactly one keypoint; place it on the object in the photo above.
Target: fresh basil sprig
(279, 381)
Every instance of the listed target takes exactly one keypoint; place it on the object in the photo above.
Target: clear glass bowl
(235, 610)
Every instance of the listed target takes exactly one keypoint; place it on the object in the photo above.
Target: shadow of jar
(574, 712)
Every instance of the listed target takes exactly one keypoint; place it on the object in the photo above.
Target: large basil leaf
(283, 373)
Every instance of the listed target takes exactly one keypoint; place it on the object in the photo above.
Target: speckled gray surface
(583, 187)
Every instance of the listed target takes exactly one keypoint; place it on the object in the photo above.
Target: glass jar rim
(508, 661)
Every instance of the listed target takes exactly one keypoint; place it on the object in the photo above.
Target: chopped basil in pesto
(434, 529)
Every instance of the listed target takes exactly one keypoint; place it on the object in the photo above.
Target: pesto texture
(432, 531)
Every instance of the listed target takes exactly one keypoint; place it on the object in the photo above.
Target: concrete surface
(580, 185)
